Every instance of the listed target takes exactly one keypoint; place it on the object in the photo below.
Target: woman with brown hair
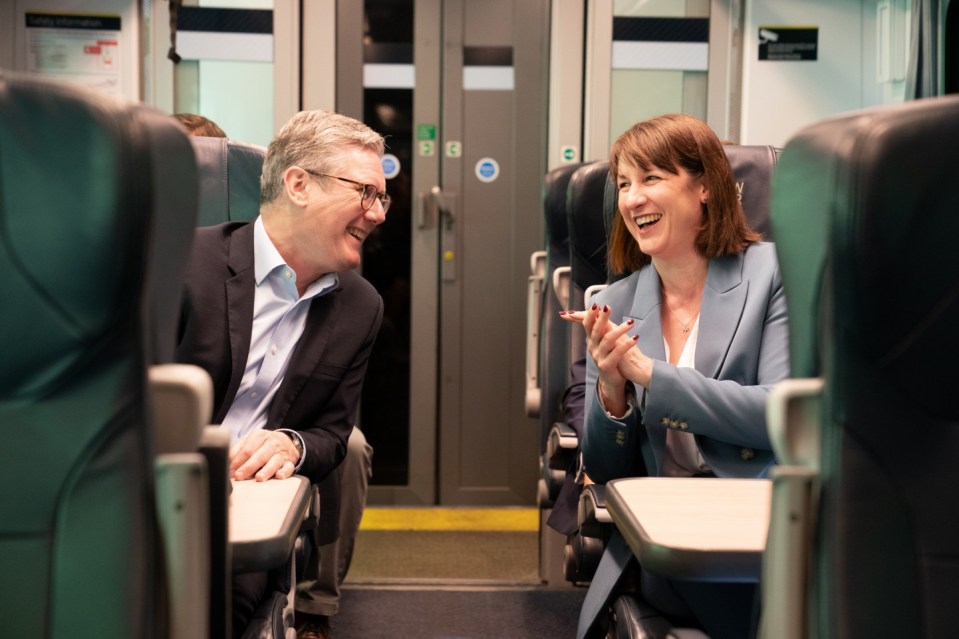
(683, 351)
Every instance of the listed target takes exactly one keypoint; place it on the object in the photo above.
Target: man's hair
(314, 140)
(669, 142)
(199, 125)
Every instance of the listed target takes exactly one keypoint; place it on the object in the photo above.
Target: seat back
(753, 167)
(587, 232)
(229, 173)
(554, 332)
(78, 546)
(588, 195)
(870, 274)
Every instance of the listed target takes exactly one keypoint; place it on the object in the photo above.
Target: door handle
(444, 204)
(431, 208)
(442, 207)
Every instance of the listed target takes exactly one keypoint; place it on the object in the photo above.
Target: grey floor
(452, 585)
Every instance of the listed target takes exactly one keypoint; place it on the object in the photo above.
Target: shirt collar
(266, 260)
(265, 256)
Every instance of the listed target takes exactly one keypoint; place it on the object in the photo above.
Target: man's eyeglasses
(368, 192)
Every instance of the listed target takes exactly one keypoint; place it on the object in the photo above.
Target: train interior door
(459, 87)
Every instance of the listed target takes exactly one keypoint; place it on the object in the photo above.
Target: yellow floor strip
(502, 519)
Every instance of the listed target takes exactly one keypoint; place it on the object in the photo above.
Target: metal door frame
(422, 481)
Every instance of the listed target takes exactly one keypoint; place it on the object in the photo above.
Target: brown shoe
(312, 627)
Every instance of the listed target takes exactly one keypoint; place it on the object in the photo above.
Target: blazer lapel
(240, 290)
(645, 312)
(724, 299)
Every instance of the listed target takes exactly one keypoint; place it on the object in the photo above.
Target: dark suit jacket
(320, 391)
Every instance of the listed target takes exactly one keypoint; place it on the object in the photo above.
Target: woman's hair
(314, 140)
(199, 125)
(670, 142)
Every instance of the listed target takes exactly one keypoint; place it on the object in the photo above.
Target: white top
(683, 458)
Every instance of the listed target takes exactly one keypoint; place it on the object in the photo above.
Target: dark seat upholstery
(753, 167)
(79, 548)
(868, 203)
(554, 331)
(229, 174)
(589, 188)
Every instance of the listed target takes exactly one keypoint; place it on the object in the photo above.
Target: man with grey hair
(274, 312)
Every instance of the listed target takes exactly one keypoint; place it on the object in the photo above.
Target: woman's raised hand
(608, 344)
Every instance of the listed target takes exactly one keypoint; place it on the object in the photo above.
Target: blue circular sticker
(487, 170)
(391, 166)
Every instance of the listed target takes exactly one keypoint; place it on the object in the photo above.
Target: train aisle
(444, 573)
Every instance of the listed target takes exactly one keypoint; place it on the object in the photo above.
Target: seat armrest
(183, 516)
(794, 418)
(793, 414)
(534, 310)
(786, 560)
(590, 292)
(563, 435)
(182, 398)
(594, 519)
(561, 446)
(215, 447)
(562, 282)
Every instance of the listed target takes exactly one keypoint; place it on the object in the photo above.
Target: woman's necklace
(685, 324)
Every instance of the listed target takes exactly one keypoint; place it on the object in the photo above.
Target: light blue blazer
(741, 351)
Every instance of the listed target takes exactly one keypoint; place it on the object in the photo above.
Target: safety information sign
(83, 49)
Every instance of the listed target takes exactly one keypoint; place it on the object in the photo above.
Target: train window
(388, 108)
(227, 69)
(659, 61)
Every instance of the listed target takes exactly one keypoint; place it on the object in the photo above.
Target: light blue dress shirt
(279, 317)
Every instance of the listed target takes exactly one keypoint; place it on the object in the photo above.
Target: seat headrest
(752, 167)
(587, 231)
(229, 173)
(75, 202)
(555, 186)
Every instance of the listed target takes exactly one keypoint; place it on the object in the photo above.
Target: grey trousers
(322, 597)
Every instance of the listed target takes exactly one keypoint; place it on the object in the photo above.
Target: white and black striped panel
(242, 35)
(673, 44)
(388, 65)
(488, 69)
